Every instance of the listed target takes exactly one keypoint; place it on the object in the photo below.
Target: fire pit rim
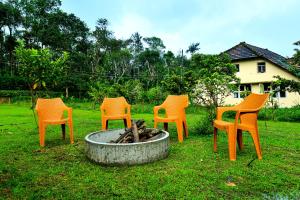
(123, 144)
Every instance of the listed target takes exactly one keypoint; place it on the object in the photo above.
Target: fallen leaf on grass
(39, 151)
(230, 184)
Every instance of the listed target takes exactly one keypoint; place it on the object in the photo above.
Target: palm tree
(194, 47)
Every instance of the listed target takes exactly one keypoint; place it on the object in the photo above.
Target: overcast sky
(217, 24)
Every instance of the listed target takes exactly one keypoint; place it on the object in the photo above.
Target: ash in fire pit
(146, 145)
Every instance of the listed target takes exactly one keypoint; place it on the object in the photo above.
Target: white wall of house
(248, 74)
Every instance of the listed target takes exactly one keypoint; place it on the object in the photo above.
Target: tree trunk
(67, 92)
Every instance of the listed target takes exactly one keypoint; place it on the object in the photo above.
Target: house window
(261, 67)
(267, 87)
(237, 67)
(282, 93)
(244, 90)
(277, 92)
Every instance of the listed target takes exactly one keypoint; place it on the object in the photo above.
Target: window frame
(237, 67)
(280, 93)
(261, 67)
(241, 89)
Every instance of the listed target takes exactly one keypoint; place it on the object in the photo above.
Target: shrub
(26, 93)
(156, 95)
(205, 126)
(278, 114)
(100, 90)
(12, 82)
(288, 114)
(133, 91)
(179, 84)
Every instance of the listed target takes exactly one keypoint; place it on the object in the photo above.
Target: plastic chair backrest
(175, 104)
(114, 106)
(254, 101)
(50, 109)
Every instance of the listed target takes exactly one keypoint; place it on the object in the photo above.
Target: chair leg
(185, 129)
(104, 124)
(166, 126)
(128, 122)
(155, 124)
(179, 131)
(42, 132)
(63, 130)
(215, 139)
(232, 143)
(71, 132)
(255, 137)
(240, 139)
(125, 123)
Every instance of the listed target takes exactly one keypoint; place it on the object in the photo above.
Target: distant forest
(96, 58)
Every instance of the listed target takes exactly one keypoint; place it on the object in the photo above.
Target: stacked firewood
(137, 133)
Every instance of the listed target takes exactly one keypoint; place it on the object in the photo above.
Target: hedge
(26, 93)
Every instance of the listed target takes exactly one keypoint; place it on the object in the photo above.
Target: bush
(133, 91)
(278, 114)
(205, 126)
(288, 114)
(14, 93)
(26, 93)
(156, 95)
(8, 82)
(100, 90)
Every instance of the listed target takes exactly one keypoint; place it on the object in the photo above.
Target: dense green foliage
(39, 67)
(191, 171)
(291, 85)
(296, 57)
(94, 55)
(216, 76)
(97, 60)
(275, 114)
(135, 67)
(26, 93)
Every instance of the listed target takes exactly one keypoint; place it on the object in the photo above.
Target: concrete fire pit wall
(101, 151)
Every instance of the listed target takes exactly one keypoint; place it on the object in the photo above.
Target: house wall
(248, 72)
(249, 75)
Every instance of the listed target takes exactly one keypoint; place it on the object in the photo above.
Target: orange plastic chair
(113, 109)
(245, 120)
(50, 111)
(174, 106)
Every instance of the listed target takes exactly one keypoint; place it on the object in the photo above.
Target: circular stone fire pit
(100, 150)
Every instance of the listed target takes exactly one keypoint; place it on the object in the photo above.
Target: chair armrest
(247, 110)
(221, 110)
(156, 109)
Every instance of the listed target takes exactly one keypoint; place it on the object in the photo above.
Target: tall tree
(296, 56)
(136, 44)
(154, 43)
(216, 75)
(291, 85)
(10, 18)
(39, 67)
(35, 15)
(102, 36)
(193, 48)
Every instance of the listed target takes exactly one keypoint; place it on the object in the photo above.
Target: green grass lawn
(192, 170)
